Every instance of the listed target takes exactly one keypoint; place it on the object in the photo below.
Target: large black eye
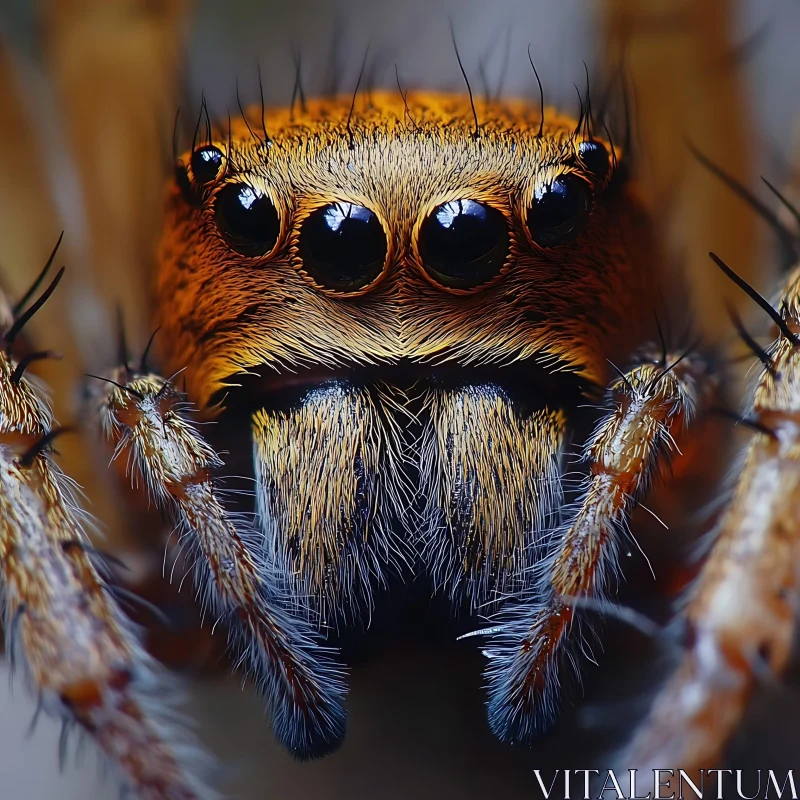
(248, 219)
(463, 244)
(206, 163)
(343, 246)
(595, 158)
(559, 211)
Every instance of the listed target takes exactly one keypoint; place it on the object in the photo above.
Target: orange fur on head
(569, 306)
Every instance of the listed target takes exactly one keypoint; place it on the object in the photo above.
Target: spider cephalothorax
(412, 301)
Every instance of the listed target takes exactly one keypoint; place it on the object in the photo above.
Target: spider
(407, 368)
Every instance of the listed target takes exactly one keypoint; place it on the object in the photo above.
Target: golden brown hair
(224, 312)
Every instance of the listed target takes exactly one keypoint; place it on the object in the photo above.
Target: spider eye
(559, 211)
(343, 246)
(206, 163)
(247, 219)
(463, 244)
(594, 157)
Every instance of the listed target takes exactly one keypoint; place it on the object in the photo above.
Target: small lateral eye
(247, 219)
(206, 164)
(463, 244)
(594, 157)
(560, 211)
(343, 247)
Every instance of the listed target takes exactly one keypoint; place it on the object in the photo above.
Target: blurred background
(88, 95)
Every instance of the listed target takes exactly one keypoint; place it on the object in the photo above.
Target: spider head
(400, 234)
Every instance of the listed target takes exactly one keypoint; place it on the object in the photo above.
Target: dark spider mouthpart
(29, 456)
(23, 319)
(23, 301)
(762, 301)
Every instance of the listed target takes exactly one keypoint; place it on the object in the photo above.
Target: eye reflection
(559, 211)
(595, 158)
(247, 197)
(247, 219)
(463, 243)
(343, 246)
(336, 214)
(206, 163)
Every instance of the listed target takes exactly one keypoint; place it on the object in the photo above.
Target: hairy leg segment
(649, 406)
(742, 612)
(80, 655)
(146, 416)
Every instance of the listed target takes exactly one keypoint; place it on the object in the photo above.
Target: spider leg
(742, 612)
(81, 655)
(302, 684)
(650, 404)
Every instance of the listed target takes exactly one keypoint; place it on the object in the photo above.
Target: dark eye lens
(206, 163)
(343, 246)
(559, 211)
(594, 157)
(463, 243)
(248, 220)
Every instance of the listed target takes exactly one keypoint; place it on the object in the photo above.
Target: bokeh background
(88, 94)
